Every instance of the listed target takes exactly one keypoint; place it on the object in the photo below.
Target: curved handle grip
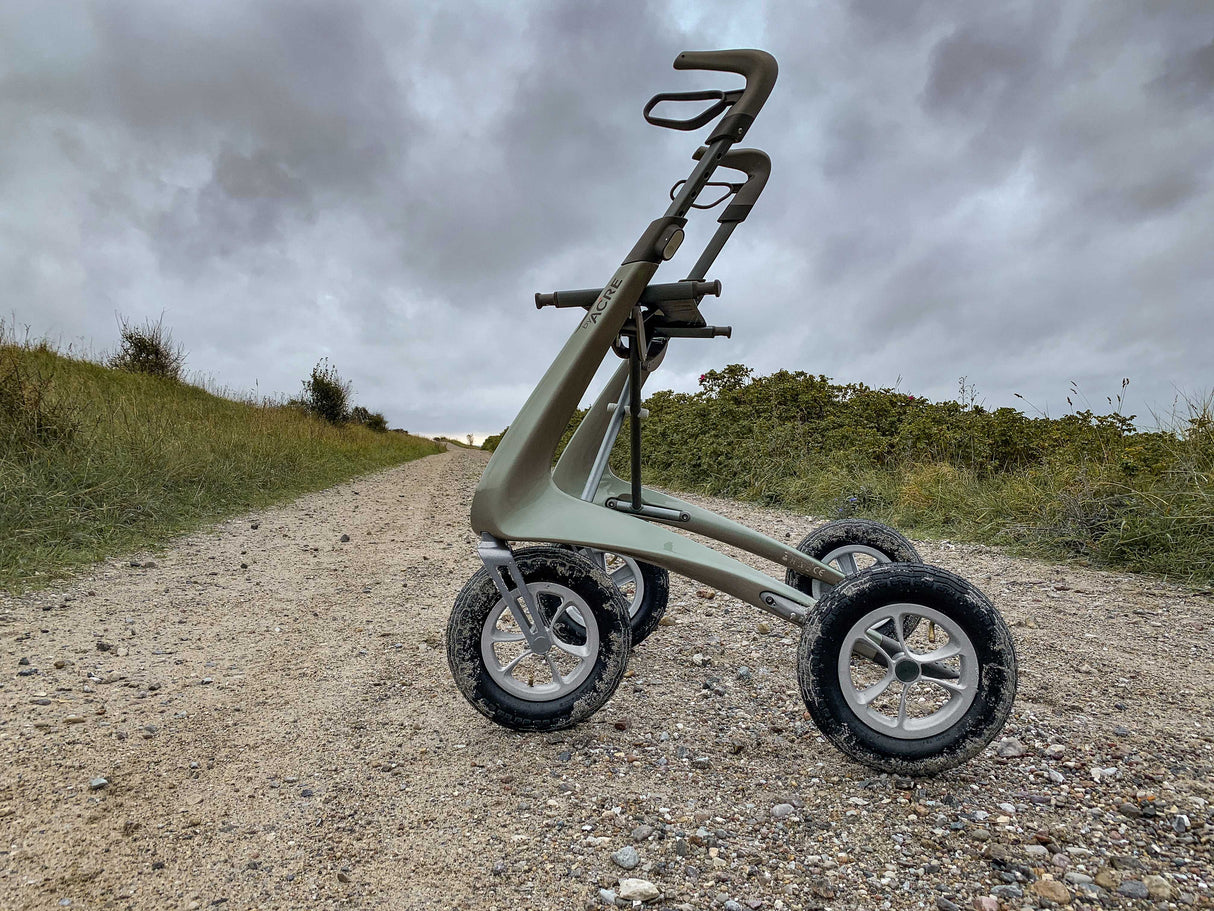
(722, 100)
(760, 70)
(756, 166)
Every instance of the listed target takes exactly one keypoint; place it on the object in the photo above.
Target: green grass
(1088, 487)
(96, 462)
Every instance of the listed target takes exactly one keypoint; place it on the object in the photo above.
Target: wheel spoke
(873, 638)
(868, 694)
(950, 649)
(577, 651)
(952, 687)
(847, 564)
(622, 576)
(514, 662)
(900, 630)
(556, 673)
(508, 637)
(902, 708)
(560, 612)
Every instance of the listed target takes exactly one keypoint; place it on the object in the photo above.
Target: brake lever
(723, 100)
(730, 189)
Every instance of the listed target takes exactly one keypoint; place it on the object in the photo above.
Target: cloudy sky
(1017, 193)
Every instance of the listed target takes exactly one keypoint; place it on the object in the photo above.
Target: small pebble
(1132, 888)
(641, 890)
(627, 857)
(1009, 748)
(1158, 888)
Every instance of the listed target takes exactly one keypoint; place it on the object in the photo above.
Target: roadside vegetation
(465, 443)
(1087, 486)
(101, 458)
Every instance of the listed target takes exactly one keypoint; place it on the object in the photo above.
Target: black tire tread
(653, 605)
(821, 639)
(826, 538)
(478, 597)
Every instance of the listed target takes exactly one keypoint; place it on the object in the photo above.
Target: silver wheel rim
(562, 669)
(844, 560)
(622, 570)
(913, 698)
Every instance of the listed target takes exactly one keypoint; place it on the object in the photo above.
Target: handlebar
(757, 168)
(653, 294)
(760, 70)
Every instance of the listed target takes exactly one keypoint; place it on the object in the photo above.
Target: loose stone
(627, 857)
(98, 783)
(1132, 888)
(1108, 878)
(638, 890)
(1009, 748)
(1052, 890)
(1158, 887)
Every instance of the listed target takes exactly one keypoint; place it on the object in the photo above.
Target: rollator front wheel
(566, 679)
(914, 703)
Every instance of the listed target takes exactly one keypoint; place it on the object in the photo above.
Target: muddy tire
(504, 680)
(864, 541)
(645, 587)
(921, 703)
(851, 545)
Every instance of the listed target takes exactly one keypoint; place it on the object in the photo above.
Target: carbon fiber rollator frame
(581, 502)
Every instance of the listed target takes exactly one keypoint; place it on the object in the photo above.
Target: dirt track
(286, 735)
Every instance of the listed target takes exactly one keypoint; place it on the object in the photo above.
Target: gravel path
(262, 717)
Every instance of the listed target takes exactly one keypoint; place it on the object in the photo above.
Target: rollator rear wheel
(646, 588)
(852, 545)
(916, 703)
(504, 679)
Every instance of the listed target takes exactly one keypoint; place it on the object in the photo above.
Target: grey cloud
(1016, 191)
(1189, 78)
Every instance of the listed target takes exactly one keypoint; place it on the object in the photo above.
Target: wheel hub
(906, 670)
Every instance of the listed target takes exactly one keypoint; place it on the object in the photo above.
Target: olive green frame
(520, 498)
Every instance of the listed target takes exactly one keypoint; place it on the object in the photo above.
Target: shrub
(326, 394)
(372, 420)
(493, 441)
(1084, 485)
(149, 349)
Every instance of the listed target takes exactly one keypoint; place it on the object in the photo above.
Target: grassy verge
(1085, 486)
(96, 461)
